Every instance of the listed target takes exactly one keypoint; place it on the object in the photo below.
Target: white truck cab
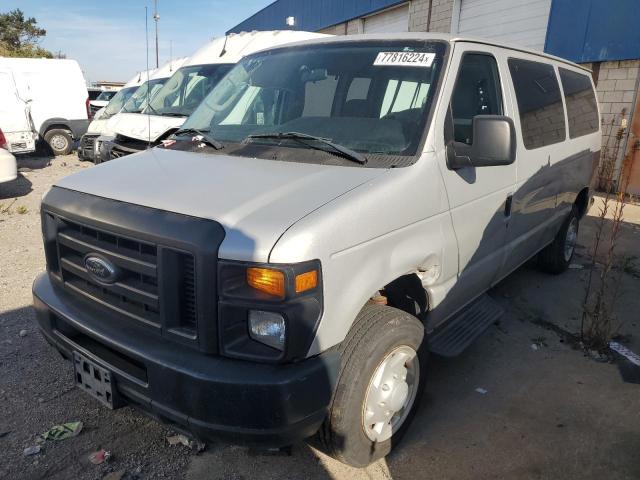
(184, 91)
(331, 212)
(42, 99)
(103, 118)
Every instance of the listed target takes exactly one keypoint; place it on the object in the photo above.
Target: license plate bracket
(97, 381)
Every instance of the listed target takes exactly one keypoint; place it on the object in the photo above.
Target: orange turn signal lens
(306, 281)
(266, 280)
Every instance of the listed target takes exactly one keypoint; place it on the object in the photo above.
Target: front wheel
(384, 360)
(59, 141)
(556, 257)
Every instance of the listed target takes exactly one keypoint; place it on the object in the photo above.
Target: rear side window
(539, 103)
(582, 109)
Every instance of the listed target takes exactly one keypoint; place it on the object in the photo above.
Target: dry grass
(599, 323)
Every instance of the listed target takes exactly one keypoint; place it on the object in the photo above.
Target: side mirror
(494, 143)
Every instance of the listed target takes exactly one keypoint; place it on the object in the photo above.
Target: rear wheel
(556, 257)
(59, 141)
(379, 386)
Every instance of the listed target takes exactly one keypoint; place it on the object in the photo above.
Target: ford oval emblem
(100, 268)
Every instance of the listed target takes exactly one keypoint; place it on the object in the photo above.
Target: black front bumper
(209, 396)
(86, 145)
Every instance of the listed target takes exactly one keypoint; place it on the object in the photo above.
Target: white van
(42, 99)
(134, 105)
(333, 210)
(101, 101)
(188, 86)
(100, 122)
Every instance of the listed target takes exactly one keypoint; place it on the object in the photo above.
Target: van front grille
(140, 267)
(136, 292)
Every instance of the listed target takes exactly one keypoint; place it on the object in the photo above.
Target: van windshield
(138, 101)
(106, 95)
(186, 88)
(117, 102)
(373, 97)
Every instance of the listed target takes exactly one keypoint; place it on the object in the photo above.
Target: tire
(59, 141)
(379, 336)
(556, 257)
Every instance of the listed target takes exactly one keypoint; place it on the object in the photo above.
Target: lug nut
(385, 387)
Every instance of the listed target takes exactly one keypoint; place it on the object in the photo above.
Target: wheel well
(582, 202)
(56, 126)
(407, 293)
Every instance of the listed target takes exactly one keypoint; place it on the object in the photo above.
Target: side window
(477, 92)
(358, 89)
(402, 96)
(539, 103)
(582, 109)
(316, 94)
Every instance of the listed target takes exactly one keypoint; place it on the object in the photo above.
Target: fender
(77, 127)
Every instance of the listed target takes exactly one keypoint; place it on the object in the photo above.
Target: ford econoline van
(333, 210)
(184, 91)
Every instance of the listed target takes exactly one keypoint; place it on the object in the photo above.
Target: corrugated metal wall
(310, 15)
(594, 30)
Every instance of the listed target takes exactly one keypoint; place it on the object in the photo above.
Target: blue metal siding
(594, 30)
(310, 15)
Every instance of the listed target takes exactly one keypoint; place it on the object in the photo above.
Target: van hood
(255, 200)
(103, 126)
(145, 127)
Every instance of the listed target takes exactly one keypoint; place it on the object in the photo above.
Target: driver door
(479, 197)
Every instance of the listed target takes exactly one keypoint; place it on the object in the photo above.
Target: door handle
(507, 206)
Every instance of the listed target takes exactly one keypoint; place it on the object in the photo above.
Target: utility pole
(156, 17)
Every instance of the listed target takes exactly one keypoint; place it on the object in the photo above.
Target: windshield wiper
(306, 138)
(202, 133)
(172, 114)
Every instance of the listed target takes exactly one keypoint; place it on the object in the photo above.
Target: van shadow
(19, 187)
(34, 161)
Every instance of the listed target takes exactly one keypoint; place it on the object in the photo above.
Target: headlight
(268, 312)
(268, 328)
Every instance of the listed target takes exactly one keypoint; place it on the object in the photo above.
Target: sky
(107, 38)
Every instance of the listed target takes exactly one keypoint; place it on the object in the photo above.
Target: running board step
(468, 324)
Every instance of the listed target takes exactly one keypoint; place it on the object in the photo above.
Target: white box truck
(42, 99)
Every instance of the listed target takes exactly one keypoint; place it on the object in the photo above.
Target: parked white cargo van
(99, 124)
(333, 210)
(188, 86)
(134, 105)
(101, 101)
(42, 99)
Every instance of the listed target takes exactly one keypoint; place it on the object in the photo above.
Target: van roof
(139, 78)
(433, 36)
(233, 47)
(168, 68)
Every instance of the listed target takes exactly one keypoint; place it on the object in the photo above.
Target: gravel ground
(548, 412)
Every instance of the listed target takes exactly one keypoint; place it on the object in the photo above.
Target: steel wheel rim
(391, 393)
(570, 239)
(59, 142)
